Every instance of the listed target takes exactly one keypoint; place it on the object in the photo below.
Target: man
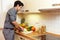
(10, 21)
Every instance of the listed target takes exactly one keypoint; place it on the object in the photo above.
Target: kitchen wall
(50, 20)
(1, 35)
(0, 10)
(34, 5)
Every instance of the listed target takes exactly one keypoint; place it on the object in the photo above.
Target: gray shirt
(10, 17)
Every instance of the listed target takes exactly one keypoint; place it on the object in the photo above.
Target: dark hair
(18, 3)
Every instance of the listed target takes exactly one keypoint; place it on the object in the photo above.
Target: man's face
(19, 7)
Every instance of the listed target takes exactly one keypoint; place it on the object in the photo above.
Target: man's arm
(16, 24)
(12, 17)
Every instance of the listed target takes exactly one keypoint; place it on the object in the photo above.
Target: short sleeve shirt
(10, 17)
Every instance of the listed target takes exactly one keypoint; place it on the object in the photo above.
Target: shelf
(50, 10)
(42, 11)
(25, 13)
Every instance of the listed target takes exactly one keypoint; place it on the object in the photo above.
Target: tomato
(33, 28)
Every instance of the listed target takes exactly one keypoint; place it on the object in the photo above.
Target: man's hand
(17, 26)
(21, 28)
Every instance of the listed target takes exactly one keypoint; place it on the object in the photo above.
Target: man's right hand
(17, 26)
(20, 28)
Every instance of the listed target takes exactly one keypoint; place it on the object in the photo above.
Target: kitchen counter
(32, 36)
(37, 35)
